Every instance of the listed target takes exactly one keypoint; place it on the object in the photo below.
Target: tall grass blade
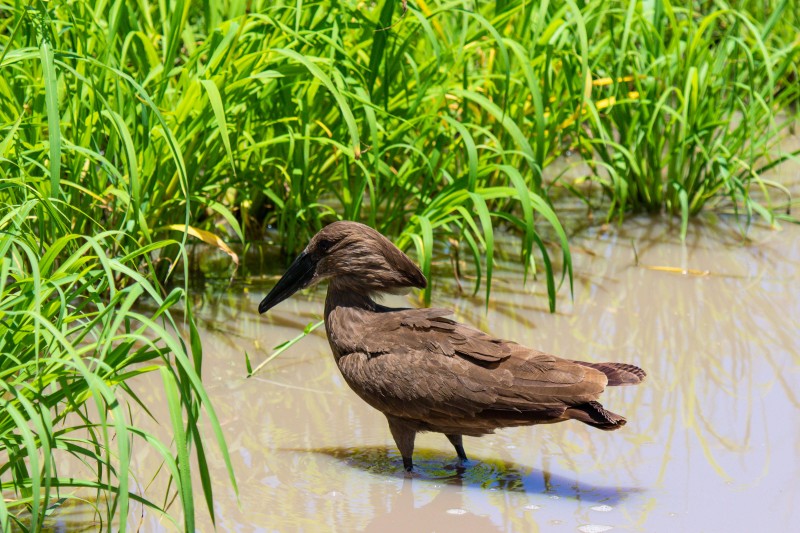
(53, 116)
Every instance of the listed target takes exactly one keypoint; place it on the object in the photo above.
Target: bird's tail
(618, 373)
(596, 415)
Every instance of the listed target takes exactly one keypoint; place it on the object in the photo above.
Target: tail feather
(618, 373)
(594, 414)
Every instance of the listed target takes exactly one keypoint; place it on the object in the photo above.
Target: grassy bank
(128, 128)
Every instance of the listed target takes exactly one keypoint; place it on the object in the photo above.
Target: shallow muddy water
(713, 435)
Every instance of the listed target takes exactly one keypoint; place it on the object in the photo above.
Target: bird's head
(358, 257)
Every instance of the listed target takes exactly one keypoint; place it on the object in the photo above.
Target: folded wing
(418, 364)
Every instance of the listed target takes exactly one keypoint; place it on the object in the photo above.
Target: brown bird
(426, 372)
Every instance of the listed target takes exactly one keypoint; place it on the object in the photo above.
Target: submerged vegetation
(128, 128)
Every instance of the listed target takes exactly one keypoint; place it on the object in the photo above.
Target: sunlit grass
(73, 333)
(294, 118)
(694, 108)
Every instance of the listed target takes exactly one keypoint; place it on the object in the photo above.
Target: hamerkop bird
(426, 372)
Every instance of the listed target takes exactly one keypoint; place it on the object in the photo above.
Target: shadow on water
(492, 474)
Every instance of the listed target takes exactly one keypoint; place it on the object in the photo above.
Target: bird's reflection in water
(445, 512)
(492, 474)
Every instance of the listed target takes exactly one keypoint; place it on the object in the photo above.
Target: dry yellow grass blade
(427, 11)
(678, 270)
(208, 238)
(599, 104)
(600, 82)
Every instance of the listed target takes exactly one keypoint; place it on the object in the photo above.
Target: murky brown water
(712, 443)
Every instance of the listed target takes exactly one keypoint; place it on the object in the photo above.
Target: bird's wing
(421, 364)
(429, 330)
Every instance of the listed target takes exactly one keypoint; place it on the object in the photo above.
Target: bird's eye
(324, 246)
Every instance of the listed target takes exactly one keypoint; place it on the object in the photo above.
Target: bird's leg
(404, 438)
(456, 441)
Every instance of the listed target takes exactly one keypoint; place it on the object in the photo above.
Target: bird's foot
(460, 466)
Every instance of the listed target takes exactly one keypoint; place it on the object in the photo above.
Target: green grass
(696, 105)
(74, 331)
(129, 128)
(82, 313)
(293, 118)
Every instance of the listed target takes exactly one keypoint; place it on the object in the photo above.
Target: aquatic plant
(692, 107)
(78, 324)
(289, 115)
(82, 314)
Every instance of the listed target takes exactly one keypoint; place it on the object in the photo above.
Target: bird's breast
(359, 373)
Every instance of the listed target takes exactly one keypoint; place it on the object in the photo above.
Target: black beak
(299, 276)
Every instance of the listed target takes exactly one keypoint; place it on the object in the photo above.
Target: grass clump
(74, 333)
(694, 104)
(293, 115)
(82, 313)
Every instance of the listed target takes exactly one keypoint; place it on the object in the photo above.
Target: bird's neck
(345, 295)
(346, 310)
